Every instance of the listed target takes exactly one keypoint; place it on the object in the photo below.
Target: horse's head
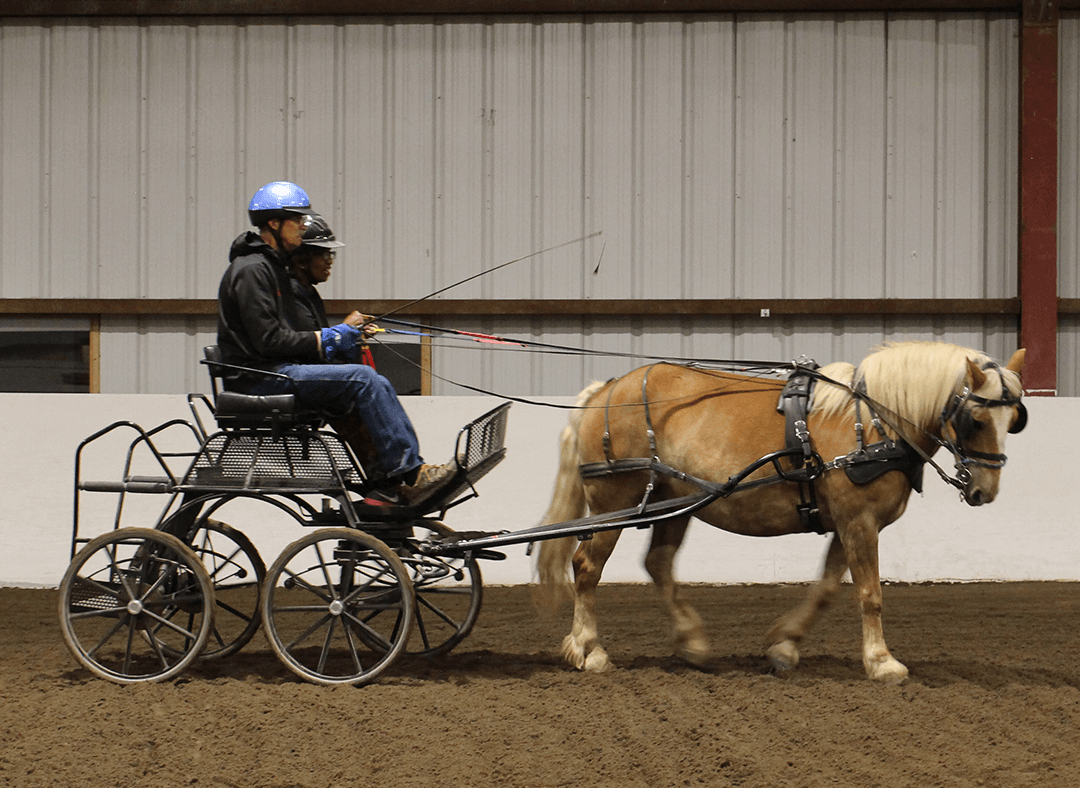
(975, 421)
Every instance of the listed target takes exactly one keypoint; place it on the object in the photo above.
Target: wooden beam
(1038, 194)
(758, 307)
(94, 362)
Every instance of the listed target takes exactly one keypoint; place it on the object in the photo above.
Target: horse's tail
(567, 503)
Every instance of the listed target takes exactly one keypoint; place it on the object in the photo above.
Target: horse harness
(963, 425)
(862, 465)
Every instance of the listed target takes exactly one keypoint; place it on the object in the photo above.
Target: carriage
(372, 581)
(338, 605)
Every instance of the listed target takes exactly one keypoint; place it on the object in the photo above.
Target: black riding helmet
(317, 233)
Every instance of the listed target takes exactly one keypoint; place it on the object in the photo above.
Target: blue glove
(339, 342)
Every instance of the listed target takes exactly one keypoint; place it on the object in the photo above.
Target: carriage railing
(165, 482)
(480, 446)
(197, 402)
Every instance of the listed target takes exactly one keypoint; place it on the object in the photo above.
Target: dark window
(400, 364)
(45, 361)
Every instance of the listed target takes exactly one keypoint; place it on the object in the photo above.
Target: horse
(702, 426)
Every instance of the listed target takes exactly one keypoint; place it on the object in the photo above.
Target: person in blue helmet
(259, 327)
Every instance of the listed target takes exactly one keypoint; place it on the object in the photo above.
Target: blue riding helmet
(278, 200)
(318, 233)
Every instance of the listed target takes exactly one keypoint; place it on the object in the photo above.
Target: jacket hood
(250, 243)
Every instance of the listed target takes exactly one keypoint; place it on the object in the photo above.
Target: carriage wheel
(237, 572)
(136, 605)
(338, 606)
(449, 592)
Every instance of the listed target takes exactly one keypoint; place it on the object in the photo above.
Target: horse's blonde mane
(911, 379)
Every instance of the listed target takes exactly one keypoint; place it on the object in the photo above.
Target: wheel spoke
(166, 622)
(307, 632)
(130, 644)
(230, 609)
(327, 642)
(353, 651)
(422, 599)
(156, 645)
(120, 622)
(316, 590)
(371, 633)
(325, 571)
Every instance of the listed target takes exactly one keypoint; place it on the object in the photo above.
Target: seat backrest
(235, 410)
(212, 353)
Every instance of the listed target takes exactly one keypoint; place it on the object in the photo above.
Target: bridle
(959, 418)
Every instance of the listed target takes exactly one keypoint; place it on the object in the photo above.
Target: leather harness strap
(863, 465)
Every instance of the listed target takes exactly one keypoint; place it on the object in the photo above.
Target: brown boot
(428, 480)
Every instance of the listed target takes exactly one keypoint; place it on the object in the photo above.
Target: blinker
(1021, 419)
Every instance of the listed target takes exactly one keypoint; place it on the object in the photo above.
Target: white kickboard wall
(1030, 533)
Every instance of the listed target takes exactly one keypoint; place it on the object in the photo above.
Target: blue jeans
(341, 388)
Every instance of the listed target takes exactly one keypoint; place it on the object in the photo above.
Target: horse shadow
(263, 667)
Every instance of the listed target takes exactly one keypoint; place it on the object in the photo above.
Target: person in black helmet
(259, 328)
(310, 265)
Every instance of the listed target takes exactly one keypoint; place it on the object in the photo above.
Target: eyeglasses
(307, 250)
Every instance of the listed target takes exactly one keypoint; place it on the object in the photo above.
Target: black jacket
(257, 318)
(310, 310)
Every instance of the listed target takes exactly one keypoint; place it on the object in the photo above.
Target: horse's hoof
(783, 656)
(890, 672)
(572, 653)
(598, 661)
(699, 657)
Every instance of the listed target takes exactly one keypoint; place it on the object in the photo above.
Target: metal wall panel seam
(44, 181)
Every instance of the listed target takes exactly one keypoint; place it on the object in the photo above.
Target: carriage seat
(233, 409)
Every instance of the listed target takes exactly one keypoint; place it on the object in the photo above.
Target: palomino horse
(709, 425)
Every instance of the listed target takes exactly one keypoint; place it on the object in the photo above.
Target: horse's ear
(978, 377)
(1016, 363)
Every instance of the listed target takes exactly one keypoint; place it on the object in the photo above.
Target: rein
(951, 414)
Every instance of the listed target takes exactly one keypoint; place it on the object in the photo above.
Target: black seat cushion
(233, 403)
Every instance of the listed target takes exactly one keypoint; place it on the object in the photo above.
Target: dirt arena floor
(993, 700)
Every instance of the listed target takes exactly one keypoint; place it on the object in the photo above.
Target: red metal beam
(1038, 194)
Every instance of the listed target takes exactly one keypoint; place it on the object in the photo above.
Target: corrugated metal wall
(847, 156)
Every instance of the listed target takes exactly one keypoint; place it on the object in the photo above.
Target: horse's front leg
(581, 648)
(861, 547)
(690, 640)
(787, 632)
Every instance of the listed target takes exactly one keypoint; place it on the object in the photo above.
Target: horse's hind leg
(690, 641)
(581, 648)
(788, 631)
